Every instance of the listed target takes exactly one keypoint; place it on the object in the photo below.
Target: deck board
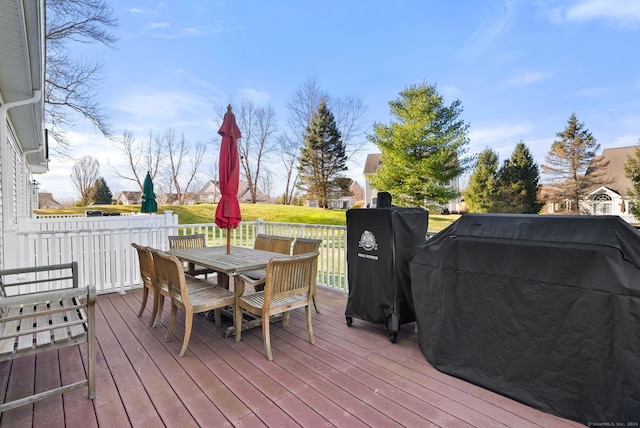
(352, 376)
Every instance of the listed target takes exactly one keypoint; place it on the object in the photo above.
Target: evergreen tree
(322, 158)
(423, 150)
(101, 194)
(483, 192)
(632, 171)
(573, 167)
(519, 180)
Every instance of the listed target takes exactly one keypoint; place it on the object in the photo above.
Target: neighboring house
(357, 192)
(46, 201)
(129, 198)
(343, 202)
(210, 193)
(23, 142)
(371, 165)
(613, 198)
(189, 198)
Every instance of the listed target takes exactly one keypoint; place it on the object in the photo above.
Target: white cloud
(595, 92)
(525, 78)
(501, 137)
(450, 92)
(621, 13)
(159, 25)
(258, 97)
(191, 31)
(625, 141)
(163, 108)
(489, 29)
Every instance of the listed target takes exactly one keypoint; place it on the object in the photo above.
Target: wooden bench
(42, 309)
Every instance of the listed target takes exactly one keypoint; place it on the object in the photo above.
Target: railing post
(260, 225)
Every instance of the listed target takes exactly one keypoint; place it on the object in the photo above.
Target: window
(602, 204)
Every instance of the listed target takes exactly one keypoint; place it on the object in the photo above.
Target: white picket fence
(102, 245)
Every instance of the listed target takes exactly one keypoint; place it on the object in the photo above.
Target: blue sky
(519, 68)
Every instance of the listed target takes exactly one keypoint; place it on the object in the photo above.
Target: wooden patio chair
(273, 243)
(162, 286)
(262, 242)
(149, 281)
(308, 245)
(189, 299)
(287, 287)
(43, 309)
(183, 242)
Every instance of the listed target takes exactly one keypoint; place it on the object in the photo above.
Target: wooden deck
(352, 377)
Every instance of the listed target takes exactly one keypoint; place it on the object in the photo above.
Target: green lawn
(204, 213)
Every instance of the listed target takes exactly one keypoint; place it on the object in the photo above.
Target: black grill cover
(380, 242)
(543, 309)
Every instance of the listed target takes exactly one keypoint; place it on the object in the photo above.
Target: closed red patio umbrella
(228, 210)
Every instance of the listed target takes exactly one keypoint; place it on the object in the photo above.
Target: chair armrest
(45, 296)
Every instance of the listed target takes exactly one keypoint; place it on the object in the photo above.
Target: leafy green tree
(573, 168)
(483, 192)
(422, 151)
(322, 158)
(101, 194)
(632, 171)
(519, 180)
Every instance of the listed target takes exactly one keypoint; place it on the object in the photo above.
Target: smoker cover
(543, 309)
(380, 242)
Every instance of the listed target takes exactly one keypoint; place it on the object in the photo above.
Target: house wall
(370, 194)
(453, 206)
(17, 193)
(607, 202)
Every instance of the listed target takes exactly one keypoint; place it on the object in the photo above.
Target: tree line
(423, 148)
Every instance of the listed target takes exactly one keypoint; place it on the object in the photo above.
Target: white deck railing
(102, 245)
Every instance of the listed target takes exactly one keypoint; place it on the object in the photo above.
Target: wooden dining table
(239, 260)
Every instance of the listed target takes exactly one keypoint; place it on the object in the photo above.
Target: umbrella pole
(228, 242)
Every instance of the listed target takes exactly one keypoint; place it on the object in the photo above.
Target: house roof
(243, 191)
(22, 75)
(132, 196)
(372, 163)
(46, 200)
(616, 179)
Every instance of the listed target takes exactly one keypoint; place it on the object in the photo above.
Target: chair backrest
(187, 241)
(162, 280)
(262, 242)
(170, 272)
(290, 276)
(280, 244)
(305, 245)
(147, 267)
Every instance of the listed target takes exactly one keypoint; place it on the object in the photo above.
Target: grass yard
(204, 213)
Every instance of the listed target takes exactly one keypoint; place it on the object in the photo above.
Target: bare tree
(71, 84)
(266, 184)
(178, 153)
(258, 125)
(142, 157)
(348, 113)
(83, 175)
(289, 152)
(212, 176)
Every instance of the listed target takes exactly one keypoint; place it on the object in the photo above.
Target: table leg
(223, 280)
